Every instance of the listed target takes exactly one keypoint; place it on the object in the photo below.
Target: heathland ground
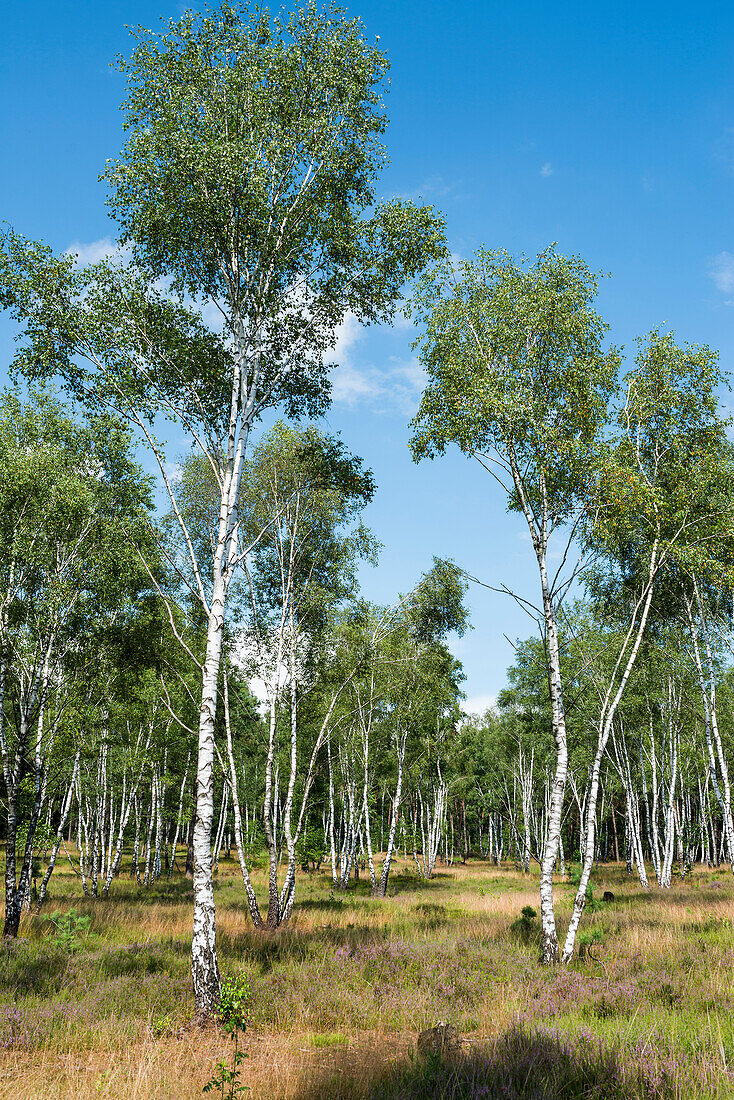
(95, 996)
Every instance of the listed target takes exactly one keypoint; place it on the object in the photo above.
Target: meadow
(95, 997)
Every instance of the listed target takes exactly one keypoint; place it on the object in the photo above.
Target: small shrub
(310, 849)
(327, 1039)
(233, 1014)
(587, 940)
(234, 1006)
(525, 928)
(592, 904)
(69, 928)
(161, 1025)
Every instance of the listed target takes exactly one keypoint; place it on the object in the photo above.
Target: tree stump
(440, 1040)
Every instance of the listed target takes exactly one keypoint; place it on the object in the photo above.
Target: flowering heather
(649, 1017)
(73, 994)
(390, 983)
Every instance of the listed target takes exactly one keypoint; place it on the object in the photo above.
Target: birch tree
(247, 186)
(300, 577)
(519, 380)
(659, 508)
(65, 576)
(411, 680)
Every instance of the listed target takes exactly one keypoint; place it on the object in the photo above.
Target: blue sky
(608, 128)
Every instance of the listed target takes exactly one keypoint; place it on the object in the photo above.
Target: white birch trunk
(611, 702)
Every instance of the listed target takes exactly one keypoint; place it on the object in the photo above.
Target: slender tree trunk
(553, 833)
(249, 890)
(711, 725)
(609, 709)
(64, 815)
(179, 817)
(204, 967)
(401, 738)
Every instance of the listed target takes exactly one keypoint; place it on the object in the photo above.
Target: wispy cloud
(172, 470)
(92, 252)
(396, 386)
(212, 317)
(347, 335)
(721, 270)
(479, 704)
(351, 386)
(546, 170)
(434, 188)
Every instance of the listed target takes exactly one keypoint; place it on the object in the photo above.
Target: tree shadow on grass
(520, 1065)
(404, 881)
(265, 949)
(331, 904)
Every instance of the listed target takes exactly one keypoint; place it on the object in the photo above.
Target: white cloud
(478, 704)
(347, 335)
(430, 189)
(402, 323)
(259, 689)
(413, 373)
(172, 470)
(94, 251)
(721, 270)
(546, 170)
(436, 187)
(351, 385)
(211, 315)
(408, 382)
(395, 386)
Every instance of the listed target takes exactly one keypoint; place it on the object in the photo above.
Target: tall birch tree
(659, 508)
(519, 380)
(247, 187)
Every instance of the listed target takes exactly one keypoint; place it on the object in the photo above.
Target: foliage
(233, 1013)
(234, 1008)
(516, 372)
(70, 928)
(525, 927)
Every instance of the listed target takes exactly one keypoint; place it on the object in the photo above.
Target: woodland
(252, 841)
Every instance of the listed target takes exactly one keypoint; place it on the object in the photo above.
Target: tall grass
(339, 996)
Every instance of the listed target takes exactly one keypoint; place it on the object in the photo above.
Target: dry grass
(339, 997)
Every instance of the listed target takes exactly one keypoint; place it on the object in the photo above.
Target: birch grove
(201, 685)
(356, 755)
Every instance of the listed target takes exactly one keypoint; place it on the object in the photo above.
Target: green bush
(234, 1005)
(69, 929)
(525, 928)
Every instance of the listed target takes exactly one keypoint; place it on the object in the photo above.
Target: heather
(338, 997)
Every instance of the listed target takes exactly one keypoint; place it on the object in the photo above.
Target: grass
(339, 996)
